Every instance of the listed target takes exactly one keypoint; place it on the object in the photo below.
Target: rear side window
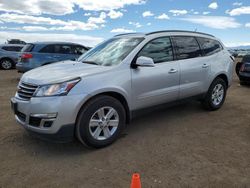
(160, 50)
(186, 47)
(12, 48)
(209, 46)
(58, 49)
(27, 48)
(49, 49)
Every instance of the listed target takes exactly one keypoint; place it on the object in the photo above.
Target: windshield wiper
(90, 62)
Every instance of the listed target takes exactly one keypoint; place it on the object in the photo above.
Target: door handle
(172, 71)
(205, 66)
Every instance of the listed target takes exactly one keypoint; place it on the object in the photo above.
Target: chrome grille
(25, 90)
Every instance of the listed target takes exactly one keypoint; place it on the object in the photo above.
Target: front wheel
(216, 95)
(100, 122)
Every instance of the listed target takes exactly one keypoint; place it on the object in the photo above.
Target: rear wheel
(216, 95)
(100, 122)
(6, 64)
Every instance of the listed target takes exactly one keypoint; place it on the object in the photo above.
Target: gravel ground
(181, 146)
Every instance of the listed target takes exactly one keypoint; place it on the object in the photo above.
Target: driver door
(158, 84)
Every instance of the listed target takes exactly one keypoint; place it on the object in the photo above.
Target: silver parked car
(95, 97)
(9, 54)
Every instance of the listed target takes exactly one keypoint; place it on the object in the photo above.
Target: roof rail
(163, 31)
(127, 34)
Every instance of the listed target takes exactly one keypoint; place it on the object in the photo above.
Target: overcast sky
(92, 21)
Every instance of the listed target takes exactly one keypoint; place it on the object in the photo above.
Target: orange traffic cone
(136, 181)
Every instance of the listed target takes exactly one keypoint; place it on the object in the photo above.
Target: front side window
(78, 50)
(63, 49)
(209, 46)
(186, 47)
(160, 50)
(111, 52)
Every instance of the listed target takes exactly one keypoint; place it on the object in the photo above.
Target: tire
(95, 112)
(216, 95)
(6, 64)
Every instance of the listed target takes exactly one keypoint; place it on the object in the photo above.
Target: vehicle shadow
(161, 115)
(144, 120)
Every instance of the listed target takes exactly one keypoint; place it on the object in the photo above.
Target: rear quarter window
(28, 48)
(209, 46)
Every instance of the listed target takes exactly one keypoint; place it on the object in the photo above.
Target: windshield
(111, 52)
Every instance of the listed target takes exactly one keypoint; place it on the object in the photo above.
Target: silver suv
(93, 98)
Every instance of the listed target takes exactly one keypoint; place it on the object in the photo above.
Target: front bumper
(51, 118)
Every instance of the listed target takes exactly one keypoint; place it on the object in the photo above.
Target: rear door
(158, 84)
(194, 69)
(48, 54)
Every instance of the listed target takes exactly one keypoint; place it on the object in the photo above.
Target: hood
(61, 71)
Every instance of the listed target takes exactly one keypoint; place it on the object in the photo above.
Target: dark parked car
(43, 53)
(9, 54)
(15, 41)
(243, 70)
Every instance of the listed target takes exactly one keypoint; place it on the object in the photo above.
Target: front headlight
(56, 89)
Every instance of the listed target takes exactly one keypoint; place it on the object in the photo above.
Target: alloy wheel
(104, 123)
(218, 94)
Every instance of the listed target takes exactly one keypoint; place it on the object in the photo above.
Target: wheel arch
(223, 77)
(8, 58)
(121, 98)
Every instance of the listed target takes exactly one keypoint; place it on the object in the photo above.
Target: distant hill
(241, 47)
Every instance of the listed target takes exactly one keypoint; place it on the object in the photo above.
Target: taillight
(242, 68)
(26, 56)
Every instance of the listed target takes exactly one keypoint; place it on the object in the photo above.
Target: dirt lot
(182, 146)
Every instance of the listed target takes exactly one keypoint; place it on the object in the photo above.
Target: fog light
(44, 116)
(47, 123)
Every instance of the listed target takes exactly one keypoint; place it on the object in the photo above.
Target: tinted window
(209, 46)
(27, 48)
(63, 49)
(58, 49)
(79, 50)
(186, 47)
(49, 49)
(246, 59)
(160, 50)
(12, 48)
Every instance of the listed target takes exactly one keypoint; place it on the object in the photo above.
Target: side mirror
(143, 61)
